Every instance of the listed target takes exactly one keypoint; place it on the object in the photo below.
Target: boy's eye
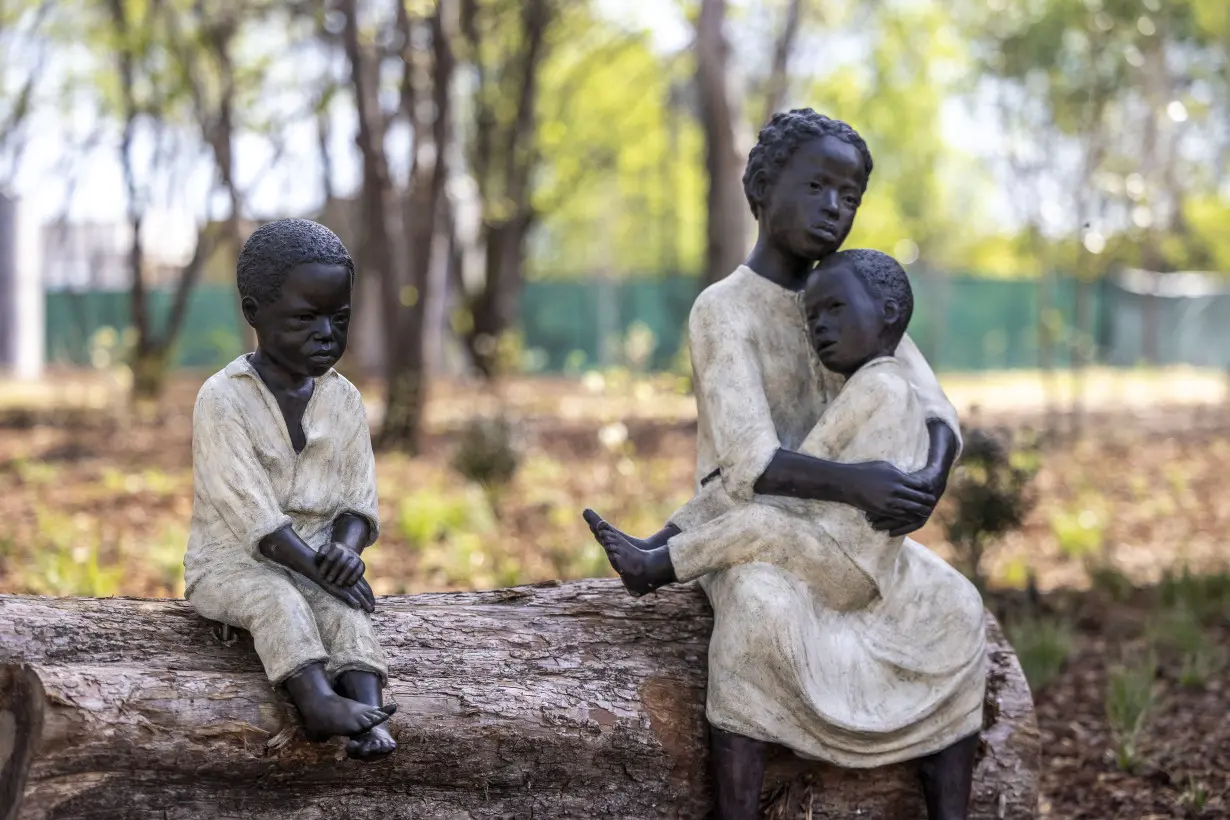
(815, 186)
(305, 317)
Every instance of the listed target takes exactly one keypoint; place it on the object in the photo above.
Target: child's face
(845, 322)
(304, 329)
(810, 209)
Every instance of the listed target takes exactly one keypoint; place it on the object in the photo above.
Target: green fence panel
(961, 322)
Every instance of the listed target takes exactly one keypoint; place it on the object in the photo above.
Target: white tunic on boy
(839, 642)
(248, 482)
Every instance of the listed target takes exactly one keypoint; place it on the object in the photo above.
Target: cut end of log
(21, 724)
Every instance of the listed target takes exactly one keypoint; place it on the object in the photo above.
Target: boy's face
(845, 322)
(304, 329)
(810, 209)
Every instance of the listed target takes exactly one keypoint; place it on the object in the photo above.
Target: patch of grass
(1042, 645)
(1206, 595)
(1129, 699)
(1108, 579)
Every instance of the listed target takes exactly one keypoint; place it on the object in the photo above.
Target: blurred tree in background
(464, 147)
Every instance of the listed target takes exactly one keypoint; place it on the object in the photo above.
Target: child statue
(833, 634)
(285, 490)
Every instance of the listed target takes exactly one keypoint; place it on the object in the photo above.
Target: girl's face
(810, 209)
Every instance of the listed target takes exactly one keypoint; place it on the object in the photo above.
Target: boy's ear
(249, 307)
(891, 312)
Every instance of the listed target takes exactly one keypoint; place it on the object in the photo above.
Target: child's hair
(276, 247)
(884, 279)
(783, 135)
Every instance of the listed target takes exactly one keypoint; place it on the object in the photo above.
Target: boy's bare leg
(325, 712)
(597, 525)
(364, 687)
(737, 766)
(641, 570)
(948, 778)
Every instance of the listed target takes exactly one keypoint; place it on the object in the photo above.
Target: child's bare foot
(325, 712)
(327, 716)
(371, 745)
(598, 525)
(642, 571)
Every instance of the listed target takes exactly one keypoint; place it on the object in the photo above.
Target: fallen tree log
(556, 700)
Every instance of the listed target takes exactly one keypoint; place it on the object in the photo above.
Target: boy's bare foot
(365, 687)
(371, 745)
(326, 713)
(642, 571)
(324, 717)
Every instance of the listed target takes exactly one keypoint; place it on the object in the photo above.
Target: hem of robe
(969, 724)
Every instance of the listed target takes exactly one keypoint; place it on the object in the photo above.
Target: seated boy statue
(873, 648)
(285, 490)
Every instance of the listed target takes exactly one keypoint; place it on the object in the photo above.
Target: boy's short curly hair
(276, 247)
(783, 135)
(884, 278)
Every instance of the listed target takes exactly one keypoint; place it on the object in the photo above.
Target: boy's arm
(357, 525)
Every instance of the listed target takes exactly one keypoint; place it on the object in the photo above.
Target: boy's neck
(773, 262)
(277, 378)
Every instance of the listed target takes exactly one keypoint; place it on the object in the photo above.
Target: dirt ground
(97, 503)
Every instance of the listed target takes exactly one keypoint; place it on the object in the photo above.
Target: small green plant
(1108, 579)
(991, 495)
(1042, 646)
(1194, 797)
(487, 454)
(1207, 595)
(1178, 632)
(1129, 698)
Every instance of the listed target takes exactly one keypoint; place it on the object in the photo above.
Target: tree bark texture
(556, 700)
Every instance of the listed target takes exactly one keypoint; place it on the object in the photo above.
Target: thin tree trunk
(560, 700)
(725, 203)
(408, 371)
(375, 252)
(504, 161)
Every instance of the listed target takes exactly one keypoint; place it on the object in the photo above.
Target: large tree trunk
(725, 238)
(558, 700)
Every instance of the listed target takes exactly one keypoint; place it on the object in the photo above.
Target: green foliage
(1042, 645)
(1080, 533)
(1129, 698)
(621, 187)
(990, 496)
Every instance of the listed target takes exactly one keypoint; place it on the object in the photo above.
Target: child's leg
(356, 663)
(948, 779)
(269, 605)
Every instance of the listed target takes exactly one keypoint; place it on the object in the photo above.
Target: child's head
(859, 303)
(294, 279)
(804, 181)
